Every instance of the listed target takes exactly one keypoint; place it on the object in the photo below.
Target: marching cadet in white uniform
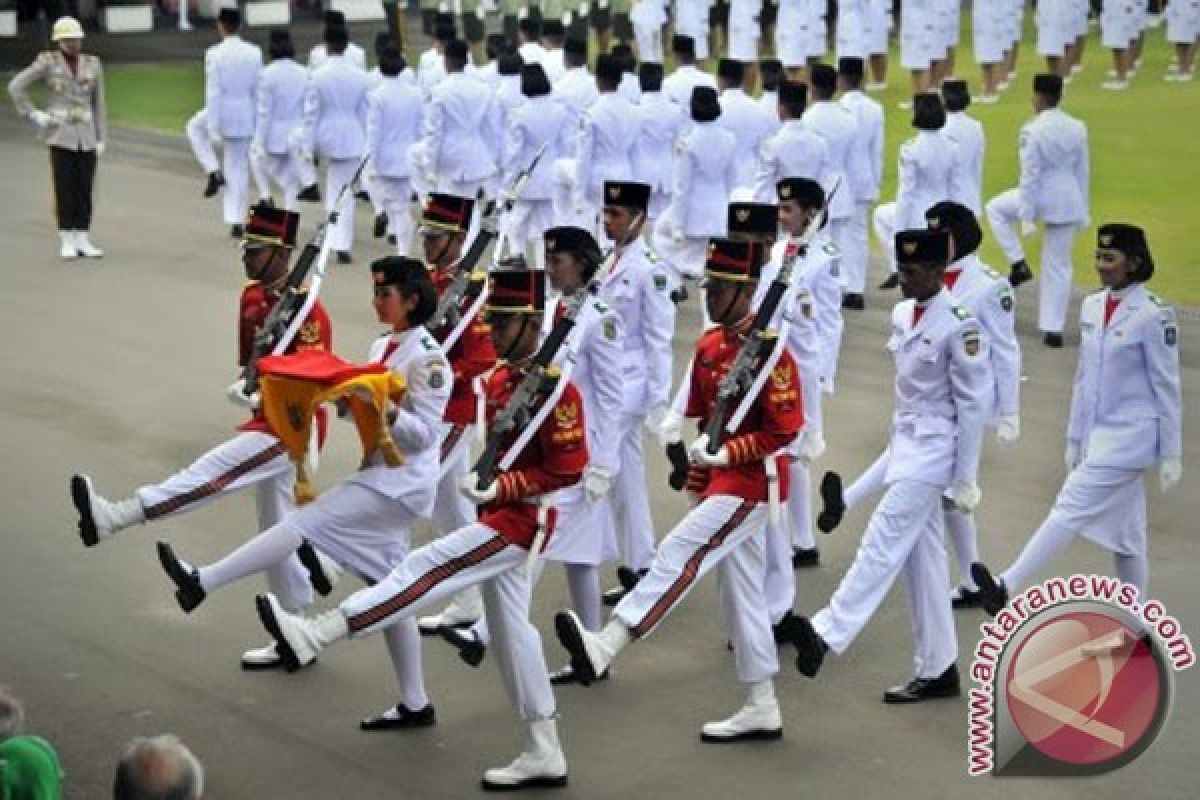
(507, 99)
(603, 150)
(648, 17)
(879, 24)
(1120, 27)
(919, 43)
(638, 289)
(744, 31)
(231, 71)
(457, 151)
(1183, 31)
(255, 457)
(853, 29)
(394, 117)
(989, 26)
(725, 531)
(866, 176)
(319, 54)
(941, 379)
(364, 523)
(929, 172)
(677, 87)
(794, 151)
(1054, 188)
(335, 124)
(839, 128)
(492, 553)
(654, 150)
(1052, 35)
(1126, 416)
(431, 68)
(576, 89)
(742, 116)
(279, 119)
(691, 21)
(705, 175)
(771, 73)
(796, 32)
(540, 120)
(971, 142)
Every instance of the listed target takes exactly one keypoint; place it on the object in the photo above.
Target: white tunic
(794, 151)
(677, 87)
(280, 105)
(967, 133)
(927, 175)
(990, 299)
(1055, 174)
(703, 180)
(866, 161)
(231, 71)
(839, 128)
(335, 109)
(394, 114)
(742, 116)
(458, 144)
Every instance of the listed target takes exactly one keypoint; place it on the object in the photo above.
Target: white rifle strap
(480, 410)
(680, 400)
(735, 420)
(465, 320)
(535, 422)
(775, 517)
(539, 539)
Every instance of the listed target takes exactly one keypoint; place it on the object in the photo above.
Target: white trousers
(1055, 272)
(630, 498)
(726, 533)
(202, 146)
(248, 459)
(429, 576)
(451, 510)
(904, 534)
(648, 18)
(338, 173)
(884, 222)
(281, 169)
(797, 533)
(395, 197)
(235, 158)
(856, 248)
(525, 225)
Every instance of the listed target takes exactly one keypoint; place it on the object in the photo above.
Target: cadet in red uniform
(254, 457)
(726, 530)
(492, 552)
(468, 344)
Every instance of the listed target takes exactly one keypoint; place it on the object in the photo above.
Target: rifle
(538, 381)
(742, 374)
(285, 317)
(447, 312)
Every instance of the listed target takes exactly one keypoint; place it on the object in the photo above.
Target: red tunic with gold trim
(772, 422)
(473, 354)
(315, 334)
(554, 458)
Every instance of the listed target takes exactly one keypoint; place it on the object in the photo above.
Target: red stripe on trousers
(216, 484)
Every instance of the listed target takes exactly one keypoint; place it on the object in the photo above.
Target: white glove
(698, 453)
(596, 483)
(100, 148)
(1008, 429)
(1028, 228)
(469, 487)
(1073, 455)
(39, 118)
(965, 496)
(1169, 473)
(812, 446)
(237, 395)
(669, 428)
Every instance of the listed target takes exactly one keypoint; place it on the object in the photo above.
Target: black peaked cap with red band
(273, 226)
(727, 260)
(518, 291)
(446, 213)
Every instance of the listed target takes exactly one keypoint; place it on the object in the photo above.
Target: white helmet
(66, 28)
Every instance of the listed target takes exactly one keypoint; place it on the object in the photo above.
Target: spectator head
(575, 52)
(279, 44)
(851, 72)
(771, 71)
(650, 76)
(730, 73)
(684, 49)
(391, 62)
(456, 56)
(382, 40)
(444, 30)
(161, 768)
(12, 714)
(928, 112)
(824, 82)
(955, 94)
(229, 20)
(553, 33)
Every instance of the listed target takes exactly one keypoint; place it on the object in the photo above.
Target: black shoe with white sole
(188, 591)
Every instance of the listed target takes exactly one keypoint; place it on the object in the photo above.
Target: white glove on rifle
(1008, 429)
(40, 118)
(1073, 455)
(654, 419)
(965, 496)
(698, 453)
(469, 487)
(1028, 228)
(670, 427)
(1169, 473)
(596, 483)
(812, 446)
(237, 395)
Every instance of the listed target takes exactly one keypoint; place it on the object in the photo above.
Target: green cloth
(29, 770)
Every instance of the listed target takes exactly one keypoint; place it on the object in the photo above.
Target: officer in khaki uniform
(73, 125)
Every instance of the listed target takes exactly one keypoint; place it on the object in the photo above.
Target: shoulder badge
(1170, 335)
(831, 249)
(610, 329)
(991, 273)
(437, 378)
(781, 376)
(971, 342)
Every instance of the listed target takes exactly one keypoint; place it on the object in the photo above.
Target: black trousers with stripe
(74, 173)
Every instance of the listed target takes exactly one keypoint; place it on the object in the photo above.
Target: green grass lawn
(1144, 143)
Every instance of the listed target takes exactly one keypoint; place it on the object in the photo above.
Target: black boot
(188, 591)
(310, 194)
(853, 302)
(1020, 273)
(891, 282)
(834, 505)
(945, 685)
(993, 594)
(215, 181)
(381, 222)
(400, 718)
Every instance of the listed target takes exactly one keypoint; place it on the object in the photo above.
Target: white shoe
(876, 86)
(988, 99)
(758, 720)
(904, 105)
(591, 653)
(66, 249)
(1002, 86)
(85, 247)
(1076, 69)
(298, 638)
(1115, 86)
(262, 658)
(541, 765)
(464, 610)
(100, 518)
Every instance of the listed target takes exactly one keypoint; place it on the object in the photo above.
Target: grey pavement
(118, 368)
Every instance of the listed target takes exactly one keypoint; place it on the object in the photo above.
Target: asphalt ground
(118, 368)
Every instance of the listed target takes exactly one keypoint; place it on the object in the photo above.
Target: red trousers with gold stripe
(728, 534)
(430, 575)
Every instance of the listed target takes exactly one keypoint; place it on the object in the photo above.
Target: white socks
(583, 582)
(404, 646)
(961, 528)
(265, 550)
(1050, 540)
